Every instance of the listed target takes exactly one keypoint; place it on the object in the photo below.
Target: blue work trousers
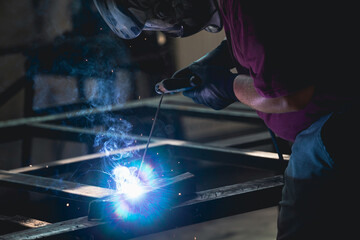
(320, 198)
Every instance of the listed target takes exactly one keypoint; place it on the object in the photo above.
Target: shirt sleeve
(271, 43)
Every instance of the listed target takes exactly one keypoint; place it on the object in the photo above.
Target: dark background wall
(70, 60)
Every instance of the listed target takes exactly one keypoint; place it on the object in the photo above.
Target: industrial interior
(77, 105)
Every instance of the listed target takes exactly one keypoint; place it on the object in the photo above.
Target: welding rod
(167, 86)
(151, 132)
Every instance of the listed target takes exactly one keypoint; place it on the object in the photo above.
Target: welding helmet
(176, 18)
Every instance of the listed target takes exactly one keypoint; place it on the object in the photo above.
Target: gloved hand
(216, 90)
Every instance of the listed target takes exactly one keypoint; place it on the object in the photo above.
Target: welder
(294, 66)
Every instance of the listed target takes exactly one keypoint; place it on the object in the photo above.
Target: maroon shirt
(285, 48)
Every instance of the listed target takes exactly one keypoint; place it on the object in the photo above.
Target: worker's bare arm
(246, 93)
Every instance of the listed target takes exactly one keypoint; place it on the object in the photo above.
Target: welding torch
(175, 85)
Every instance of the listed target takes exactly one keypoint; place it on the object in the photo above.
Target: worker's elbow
(289, 105)
(299, 100)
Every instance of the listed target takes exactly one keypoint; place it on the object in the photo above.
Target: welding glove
(216, 89)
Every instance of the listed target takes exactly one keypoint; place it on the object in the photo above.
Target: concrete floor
(256, 225)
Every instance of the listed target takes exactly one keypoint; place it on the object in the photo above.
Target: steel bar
(193, 110)
(75, 131)
(68, 189)
(59, 188)
(233, 190)
(229, 200)
(207, 205)
(245, 158)
(248, 140)
(78, 160)
(184, 149)
(54, 229)
(23, 221)
(168, 188)
(71, 114)
(72, 133)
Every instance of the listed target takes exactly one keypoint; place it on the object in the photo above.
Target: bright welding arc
(151, 132)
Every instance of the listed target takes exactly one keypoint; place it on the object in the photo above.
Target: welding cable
(273, 138)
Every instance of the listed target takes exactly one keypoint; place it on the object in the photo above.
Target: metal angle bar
(235, 189)
(72, 114)
(234, 114)
(198, 111)
(24, 221)
(229, 200)
(231, 156)
(79, 223)
(240, 140)
(72, 190)
(91, 132)
(185, 149)
(83, 158)
(53, 229)
(184, 184)
(189, 212)
(60, 188)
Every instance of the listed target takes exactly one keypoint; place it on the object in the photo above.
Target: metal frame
(48, 126)
(223, 201)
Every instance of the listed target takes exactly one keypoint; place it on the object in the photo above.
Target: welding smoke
(89, 65)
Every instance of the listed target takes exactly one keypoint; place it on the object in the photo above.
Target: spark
(101, 29)
(135, 203)
(179, 193)
(30, 165)
(127, 182)
(67, 204)
(86, 59)
(161, 38)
